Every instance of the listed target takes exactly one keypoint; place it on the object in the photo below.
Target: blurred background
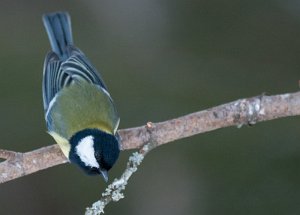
(160, 60)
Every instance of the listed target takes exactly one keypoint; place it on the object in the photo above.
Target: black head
(94, 151)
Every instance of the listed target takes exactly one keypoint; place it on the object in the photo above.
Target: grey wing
(58, 74)
(52, 78)
(79, 65)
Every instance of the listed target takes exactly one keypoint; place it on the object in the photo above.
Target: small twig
(6, 154)
(114, 191)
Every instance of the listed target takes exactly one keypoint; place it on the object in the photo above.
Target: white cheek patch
(85, 151)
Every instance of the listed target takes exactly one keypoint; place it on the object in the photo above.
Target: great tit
(79, 111)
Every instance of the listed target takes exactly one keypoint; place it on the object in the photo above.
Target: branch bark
(236, 113)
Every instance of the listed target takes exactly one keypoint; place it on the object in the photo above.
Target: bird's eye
(97, 155)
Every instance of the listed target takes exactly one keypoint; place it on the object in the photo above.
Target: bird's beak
(104, 174)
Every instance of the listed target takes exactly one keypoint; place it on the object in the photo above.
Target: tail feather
(58, 27)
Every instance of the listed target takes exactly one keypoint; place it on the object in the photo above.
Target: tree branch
(113, 192)
(236, 113)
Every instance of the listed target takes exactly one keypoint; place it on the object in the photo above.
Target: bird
(79, 112)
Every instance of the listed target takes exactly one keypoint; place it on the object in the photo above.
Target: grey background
(162, 59)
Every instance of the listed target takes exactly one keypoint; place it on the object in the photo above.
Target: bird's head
(94, 151)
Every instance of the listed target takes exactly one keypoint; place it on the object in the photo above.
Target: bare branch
(20, 164)
(237, 113)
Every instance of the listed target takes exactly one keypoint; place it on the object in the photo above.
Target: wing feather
(61, 73)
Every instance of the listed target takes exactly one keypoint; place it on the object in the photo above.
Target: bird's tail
(58, 27)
